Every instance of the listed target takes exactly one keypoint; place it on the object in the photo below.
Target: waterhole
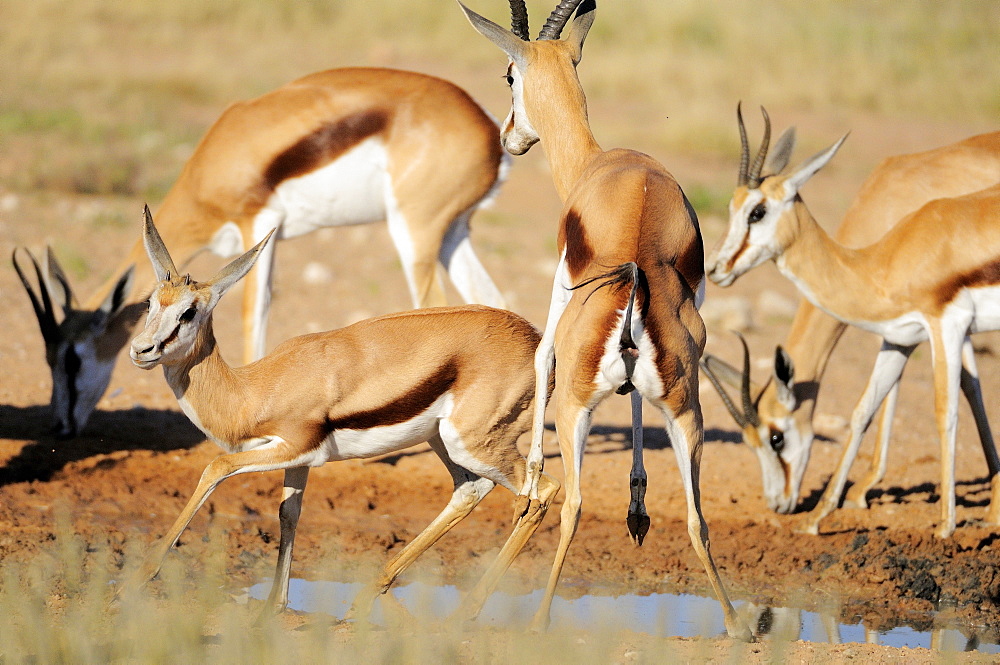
(659, 614)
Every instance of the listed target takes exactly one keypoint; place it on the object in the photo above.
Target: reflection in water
(657, 614)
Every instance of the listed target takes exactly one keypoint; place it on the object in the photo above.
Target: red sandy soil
(126, 477)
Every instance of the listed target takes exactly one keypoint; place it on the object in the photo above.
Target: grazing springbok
(460, 378)
(934, 276)
(339, 147)
(624, 310)
(777, 420)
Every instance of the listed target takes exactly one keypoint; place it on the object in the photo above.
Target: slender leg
(946, 350)
(637, 519)
(548, 488)
(974, 395)
(888, 368)
(686, 438)
(288, 517)
(880, 456)
(469, 491)
(257, 288)
(572, 428)
(417, 244)
(544, 366)
(219, 469)
(467, 273)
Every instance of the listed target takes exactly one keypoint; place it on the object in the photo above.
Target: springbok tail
(616, 278)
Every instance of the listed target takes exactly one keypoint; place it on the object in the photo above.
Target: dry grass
(107, 97)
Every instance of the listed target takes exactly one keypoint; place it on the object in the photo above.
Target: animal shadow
(107, 432)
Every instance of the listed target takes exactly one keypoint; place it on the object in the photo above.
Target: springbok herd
(917, 258)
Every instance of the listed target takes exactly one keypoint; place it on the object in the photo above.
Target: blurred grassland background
(109, 97)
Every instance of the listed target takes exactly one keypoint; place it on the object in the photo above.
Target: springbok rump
(344, 146)
(624, 311)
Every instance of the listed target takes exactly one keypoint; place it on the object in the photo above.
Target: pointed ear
(579, 28)
(784, 376)
(163, 265)
(119, 294)
(780, 153)
(237, 269)
(40, 302)
(509, 43)
(812, 165)
(55, 276)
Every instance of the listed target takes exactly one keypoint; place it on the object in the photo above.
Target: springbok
(460, 378)
(339, 147)
(777, 420)
(933, 277)
(623, 316)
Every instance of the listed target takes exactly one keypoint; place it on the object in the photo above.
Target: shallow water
(657, 614)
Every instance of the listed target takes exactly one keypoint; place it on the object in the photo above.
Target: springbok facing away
(623, 315)
(777, 420)
(460, 378)
(339, 147)
(933, 277)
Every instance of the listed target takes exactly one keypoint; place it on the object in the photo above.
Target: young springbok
(460, 378)
(624, 310)
(338, 147)
(776, 419)
(935, 276)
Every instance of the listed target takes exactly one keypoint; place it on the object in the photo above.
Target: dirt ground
(127, 476)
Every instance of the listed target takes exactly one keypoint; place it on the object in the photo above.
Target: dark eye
(510, 79)
(188, 314)
(777, 440)
(757, 213)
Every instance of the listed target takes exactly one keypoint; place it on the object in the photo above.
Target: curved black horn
(758, 162)
(557, 20)
(519, 20)
(42, 306)
(714, 380)
(749, 408)
(744, 147)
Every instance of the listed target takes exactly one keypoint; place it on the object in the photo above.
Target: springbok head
(766, 417)
(178, 325)
(80, 344)
(541, 74)
(762, 212)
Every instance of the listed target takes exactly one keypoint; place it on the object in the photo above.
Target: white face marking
(747, 244)
(349, 190)
(517, 139)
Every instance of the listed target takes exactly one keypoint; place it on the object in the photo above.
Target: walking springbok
(623, 316)
(339, 147)
(776, 420)
(461, 378)
(933, 277)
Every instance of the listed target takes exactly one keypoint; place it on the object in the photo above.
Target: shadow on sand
(107, 432)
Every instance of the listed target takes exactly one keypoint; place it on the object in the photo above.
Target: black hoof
(638, 527)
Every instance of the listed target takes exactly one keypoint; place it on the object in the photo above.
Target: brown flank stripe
(406, 407)
(579, 253)
(328, 142)
(985, 275)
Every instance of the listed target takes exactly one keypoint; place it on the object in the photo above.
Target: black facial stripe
(71, 364)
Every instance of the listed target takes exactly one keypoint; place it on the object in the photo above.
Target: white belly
(986, 302)
(361, 443)
(350, 190)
